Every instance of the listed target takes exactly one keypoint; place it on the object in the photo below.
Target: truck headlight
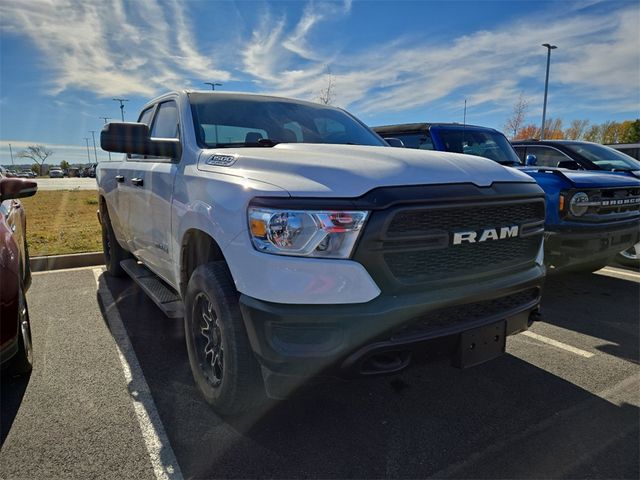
(578, 205)
(305, 233)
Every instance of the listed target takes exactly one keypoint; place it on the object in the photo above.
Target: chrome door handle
(119, 178)
(138, 182)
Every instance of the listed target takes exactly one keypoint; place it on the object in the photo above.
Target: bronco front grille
(612, 203)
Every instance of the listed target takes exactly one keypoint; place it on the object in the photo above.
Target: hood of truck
(583, 178)
(323, 170)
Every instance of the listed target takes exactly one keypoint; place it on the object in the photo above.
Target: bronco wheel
(113, 252)
(22, 362)
(630, 257)
(222, 362)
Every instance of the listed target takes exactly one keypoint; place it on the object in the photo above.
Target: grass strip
(62, 221)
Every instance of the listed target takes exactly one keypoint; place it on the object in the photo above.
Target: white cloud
(112, 48)
(597, 59)
(141, 47)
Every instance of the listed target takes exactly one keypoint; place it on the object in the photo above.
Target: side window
(520, 152)
(547, 157)
(165, 124)
(421, 141)
(145, 117)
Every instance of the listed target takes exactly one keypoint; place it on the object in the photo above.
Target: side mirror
(129, 137)
(531, 160)
(394, 142)
(16, 188)
(569, 164)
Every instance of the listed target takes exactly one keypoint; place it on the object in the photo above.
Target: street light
(86, 139)
(121, 100)
(546, 87)
(95, 150)
(213, 84)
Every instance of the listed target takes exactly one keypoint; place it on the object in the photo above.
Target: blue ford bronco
(590, 216)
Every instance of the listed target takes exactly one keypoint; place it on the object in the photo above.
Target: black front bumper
(572, 246)
(304, 341)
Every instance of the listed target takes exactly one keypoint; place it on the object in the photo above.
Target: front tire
(224, 367)
(630, 257)
(22, 362)
(113, 252)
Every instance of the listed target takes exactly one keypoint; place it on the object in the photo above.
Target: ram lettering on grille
(484, 235)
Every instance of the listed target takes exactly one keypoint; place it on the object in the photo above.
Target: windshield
(232, 121)
(482, 143)
(606, 158)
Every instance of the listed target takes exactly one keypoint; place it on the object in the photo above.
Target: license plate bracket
(480, 345)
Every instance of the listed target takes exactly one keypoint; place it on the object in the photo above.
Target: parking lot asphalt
(112, 396)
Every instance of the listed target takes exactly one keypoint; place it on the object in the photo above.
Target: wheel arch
(196, 248)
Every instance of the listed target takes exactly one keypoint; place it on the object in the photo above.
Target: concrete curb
(58, 262)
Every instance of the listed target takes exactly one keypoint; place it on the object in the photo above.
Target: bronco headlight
(578, 205)
(305, 233)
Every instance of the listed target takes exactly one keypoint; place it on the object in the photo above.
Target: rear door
(151, 190)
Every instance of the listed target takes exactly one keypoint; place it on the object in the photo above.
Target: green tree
(64, 165)
(35, 168)
(594, 134)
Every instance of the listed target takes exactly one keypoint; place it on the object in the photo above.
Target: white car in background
(56, 173)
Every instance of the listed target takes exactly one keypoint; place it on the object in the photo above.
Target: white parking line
(557, 344)
(619, 273)
(163, 460)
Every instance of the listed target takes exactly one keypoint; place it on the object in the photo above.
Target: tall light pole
(121, 100)
(86, 139)
(95, 150)
(105, 122)
(549, 47)
(213, 84)
(11, 152)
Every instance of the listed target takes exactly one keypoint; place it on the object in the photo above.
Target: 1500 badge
(484, 235)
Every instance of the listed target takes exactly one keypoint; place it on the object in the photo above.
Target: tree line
(627, 131)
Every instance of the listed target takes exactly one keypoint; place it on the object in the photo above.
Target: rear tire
(224, 367)
(113, 252)
(22, 362)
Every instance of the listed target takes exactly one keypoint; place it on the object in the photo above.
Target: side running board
(161, 294)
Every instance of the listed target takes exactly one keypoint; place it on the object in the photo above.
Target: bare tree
(577, 129)
(327, 95)
(37, 153)
(516, 121)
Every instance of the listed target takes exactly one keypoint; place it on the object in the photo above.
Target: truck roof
(410, 127)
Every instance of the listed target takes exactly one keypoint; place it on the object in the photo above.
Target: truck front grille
(409, 248)
(424, 265)
(419, 221)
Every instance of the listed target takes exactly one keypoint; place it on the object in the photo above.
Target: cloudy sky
(62, 61)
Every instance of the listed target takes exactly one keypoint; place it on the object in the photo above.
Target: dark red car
(15, 276)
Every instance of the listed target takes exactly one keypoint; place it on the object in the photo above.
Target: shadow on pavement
(503, 419)
(11, 392)
(603, 307)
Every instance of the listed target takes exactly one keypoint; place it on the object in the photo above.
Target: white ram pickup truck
(297, 244)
